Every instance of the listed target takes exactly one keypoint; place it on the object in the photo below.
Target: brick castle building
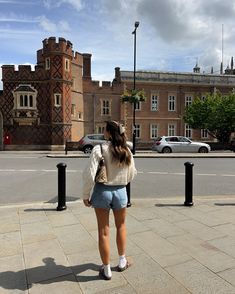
(59, 101)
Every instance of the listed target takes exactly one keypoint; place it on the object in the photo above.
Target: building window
(47, 63)
(137, 131)
(57, 99)
(154, 102)
(100, 129)
(73, 109)
(153, 131)
(25, 104)
(188, 100)
(204, 134)
(26, 101)
(105, 107)
(187, 131)
(74, 83)
(25, 97)
(171, 103)
(137, 105)
(203, 98)
(67, 64)
(79, 115)
(171, 130)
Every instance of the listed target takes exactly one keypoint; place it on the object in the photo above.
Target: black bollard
(188, 184)
(61, 186)
(128, 191)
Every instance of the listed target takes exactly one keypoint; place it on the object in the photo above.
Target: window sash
(105, 107)
(47, 63)
(204, 133)
(137, 131)
(188, 131)
(153, 131)
(188, 100)
(57, 99)
(154, 103)
(171, 130)
(171, 103)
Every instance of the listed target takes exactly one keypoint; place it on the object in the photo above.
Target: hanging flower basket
(133, 96)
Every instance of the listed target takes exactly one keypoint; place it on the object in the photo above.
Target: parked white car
(168, 144)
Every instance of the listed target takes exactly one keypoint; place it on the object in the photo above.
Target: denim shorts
(109, 197)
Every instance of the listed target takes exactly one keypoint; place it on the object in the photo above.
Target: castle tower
(57, 59)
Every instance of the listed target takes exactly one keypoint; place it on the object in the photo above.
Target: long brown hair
(119, 150)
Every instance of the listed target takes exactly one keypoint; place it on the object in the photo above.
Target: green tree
(216, 114)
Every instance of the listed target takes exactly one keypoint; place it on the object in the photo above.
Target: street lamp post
(128, 187)
(134, 105)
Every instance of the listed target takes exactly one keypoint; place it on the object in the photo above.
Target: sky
(173, 35)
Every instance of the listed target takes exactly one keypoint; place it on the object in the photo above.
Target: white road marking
(178, 174)
(80, 171)
(159, 173)
(38, 170)
(206, 174)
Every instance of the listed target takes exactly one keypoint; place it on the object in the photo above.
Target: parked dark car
(232, 145)
(87, 142)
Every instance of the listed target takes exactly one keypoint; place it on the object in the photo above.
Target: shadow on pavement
(225, 204)
(168, 204)
(47, 274)
(68, 198)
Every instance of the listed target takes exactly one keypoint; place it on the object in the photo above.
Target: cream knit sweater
(116, 175)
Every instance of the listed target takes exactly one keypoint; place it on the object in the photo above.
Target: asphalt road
(33, 177)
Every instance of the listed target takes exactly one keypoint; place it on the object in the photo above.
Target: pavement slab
(172, 248)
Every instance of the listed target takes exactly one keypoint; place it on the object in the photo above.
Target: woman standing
(111, 195)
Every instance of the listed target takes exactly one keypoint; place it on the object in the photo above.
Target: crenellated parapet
(62, 47)
(103, 86)
(24, 73)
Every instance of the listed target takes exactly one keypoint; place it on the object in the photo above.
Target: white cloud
(64, 26)
(49, 4)
(12, 17)
(47, 25)
(52, 27)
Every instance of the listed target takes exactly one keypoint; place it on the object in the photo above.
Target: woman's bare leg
(120, 217)
(102, 216)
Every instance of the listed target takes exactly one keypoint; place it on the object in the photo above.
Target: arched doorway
(1, 131)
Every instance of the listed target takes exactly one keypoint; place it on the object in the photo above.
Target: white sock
(122, 261)
(107, 270)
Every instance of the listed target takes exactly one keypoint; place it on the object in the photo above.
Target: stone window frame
(25, 99)
(188, 100)
(47, 63)
(57, 99)
(105, 107)
(73, 109)
(67, 64)
(153, 128)
(137, 131)
(138, 106)
(171, 102)
(188, 131)
(204, 134)
(171, 129)
(156, 97)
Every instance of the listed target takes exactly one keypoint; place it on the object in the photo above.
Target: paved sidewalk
(174, 249)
